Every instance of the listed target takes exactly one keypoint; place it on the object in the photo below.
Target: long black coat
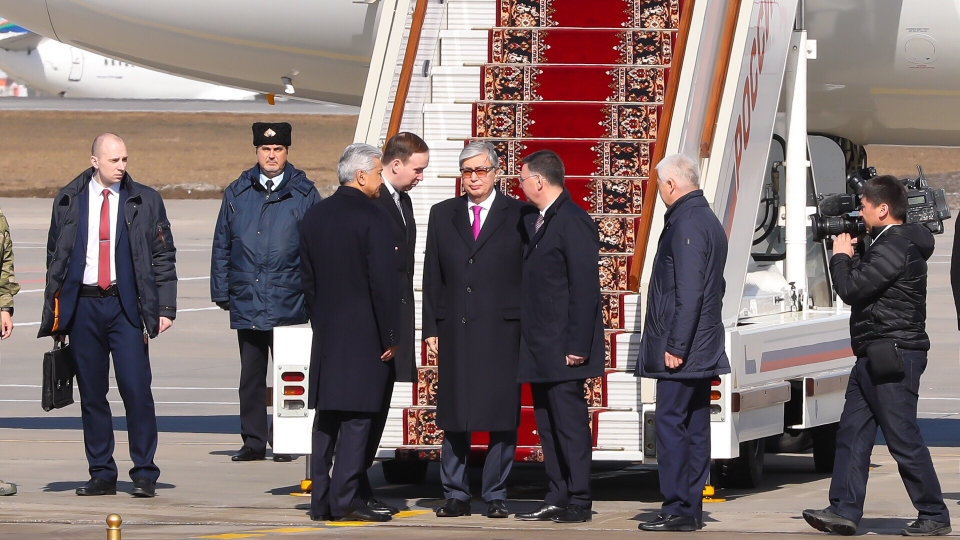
(255, 260)
(685, 295)
(471, 303)
(405, 240)
(560, 295)
(349, 282)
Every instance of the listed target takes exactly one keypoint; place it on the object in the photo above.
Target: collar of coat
(293, 178)
(79, 184)
(691, 200)
(555, 207)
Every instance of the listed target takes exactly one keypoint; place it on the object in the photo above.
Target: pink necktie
(476, 221)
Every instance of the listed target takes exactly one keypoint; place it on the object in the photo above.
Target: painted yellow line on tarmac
(411, 513)
(294, 530)
(228, 536)
(288, 530)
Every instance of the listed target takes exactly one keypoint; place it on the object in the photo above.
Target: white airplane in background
(54, 68)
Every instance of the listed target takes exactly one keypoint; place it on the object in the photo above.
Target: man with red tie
(111, 284)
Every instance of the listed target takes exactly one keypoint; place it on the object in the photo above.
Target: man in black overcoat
(561, 339)
(405, 156)
(471, 306)
(349, 281)
(683, 340)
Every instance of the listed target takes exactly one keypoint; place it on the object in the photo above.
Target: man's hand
(6, 324)
(671, 361)
(843, 244)
(574, 360)
(388, 354)
(432, 347)
(165, 323)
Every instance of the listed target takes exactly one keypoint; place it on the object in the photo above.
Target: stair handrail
(663, 128)
(720, 77)
(406, 71)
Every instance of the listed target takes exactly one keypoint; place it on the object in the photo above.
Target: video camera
(924, 205)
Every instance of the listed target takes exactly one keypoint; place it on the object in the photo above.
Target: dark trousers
(255, 349)
(376, 433)
(564, 427)
(891, 406)
(453, 464)
(101, 330)
(682, 424)
(338, 495)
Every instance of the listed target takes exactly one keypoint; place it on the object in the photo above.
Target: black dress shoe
(247, 454)
(281, 458)
(144, 487)
(365, 513)
(497, 509)
(926, 527)
(454, 508)
(381, 507)
(827, 521)
(667, 522)
(546, 512)
(320, 517)
(97, 486)
(574, 513)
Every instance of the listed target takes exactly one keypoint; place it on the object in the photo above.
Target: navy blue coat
(560, 295)
(349, 268)
(255, 264)
(685, 295)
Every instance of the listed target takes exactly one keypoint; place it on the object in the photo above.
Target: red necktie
(103, 274)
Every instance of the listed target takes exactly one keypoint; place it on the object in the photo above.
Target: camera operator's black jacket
(886, 288)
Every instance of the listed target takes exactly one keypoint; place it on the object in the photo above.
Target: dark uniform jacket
(471, 302)
(405, 240)
(560, 295)
(349, 280)
(886, 288)
(255, 262)
(144, 251)
(685, 295)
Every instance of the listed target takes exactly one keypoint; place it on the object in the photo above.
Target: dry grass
(184, 154)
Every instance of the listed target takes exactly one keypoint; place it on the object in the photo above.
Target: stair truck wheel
(742, 472)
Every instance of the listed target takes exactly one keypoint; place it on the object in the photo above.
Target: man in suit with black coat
(561, 339)
(349, 281)
(405, 156)
(471, 305)
(683, 343)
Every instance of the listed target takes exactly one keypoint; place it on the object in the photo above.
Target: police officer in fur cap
(255, 269)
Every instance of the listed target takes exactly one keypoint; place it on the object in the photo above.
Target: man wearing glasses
(561, 340)
(471, 306)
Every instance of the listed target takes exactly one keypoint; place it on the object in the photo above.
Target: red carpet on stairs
(586, 79)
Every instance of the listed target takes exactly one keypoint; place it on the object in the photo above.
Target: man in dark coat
(561, 339)
(885, 285)
(255, 269)
(405, 156)
(348, 268)
(111, 283)
(471, 305)
(683, 340)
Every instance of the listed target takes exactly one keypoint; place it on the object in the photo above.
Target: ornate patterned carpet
(587, 80)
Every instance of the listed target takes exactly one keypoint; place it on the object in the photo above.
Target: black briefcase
(58, 371)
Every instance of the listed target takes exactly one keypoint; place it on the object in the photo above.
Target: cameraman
(885, 285)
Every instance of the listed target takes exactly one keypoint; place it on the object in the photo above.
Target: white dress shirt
(91, 271)
(276, 180)
(486, 205)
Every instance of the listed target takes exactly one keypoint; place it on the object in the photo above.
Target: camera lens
(824, 226)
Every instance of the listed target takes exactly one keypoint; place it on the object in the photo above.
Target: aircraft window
(104, 61)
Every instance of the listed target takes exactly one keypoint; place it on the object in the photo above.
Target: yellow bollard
(113, 527)
(709, 495)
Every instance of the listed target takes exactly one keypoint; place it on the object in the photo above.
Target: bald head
(109, 158)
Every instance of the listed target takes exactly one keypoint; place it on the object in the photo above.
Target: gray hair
(680, 168)
(480, 148)
(357, 157)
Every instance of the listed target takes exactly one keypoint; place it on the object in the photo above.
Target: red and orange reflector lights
(714, 395)
(292, 376)
(293, 390)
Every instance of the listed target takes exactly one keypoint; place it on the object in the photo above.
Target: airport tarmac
(202, 494)
(253, 106)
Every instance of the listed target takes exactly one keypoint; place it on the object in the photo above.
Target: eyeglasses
(480, 172)
(527, 178)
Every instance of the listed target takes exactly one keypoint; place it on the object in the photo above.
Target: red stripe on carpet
(580, 46)
(573, 83)
(589, 13)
